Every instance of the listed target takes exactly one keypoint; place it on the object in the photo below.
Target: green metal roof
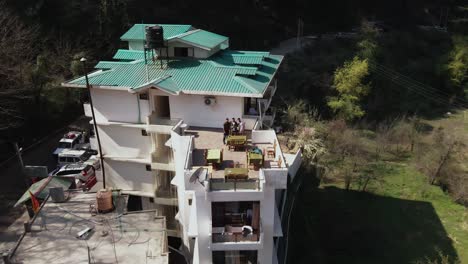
(203, 38)
(219, 74)
(123, 54)
(137, 32)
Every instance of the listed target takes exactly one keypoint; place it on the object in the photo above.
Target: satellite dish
(197, 175)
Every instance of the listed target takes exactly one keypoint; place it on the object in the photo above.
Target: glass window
(65, 145)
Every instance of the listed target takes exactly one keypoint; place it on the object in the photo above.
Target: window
(144, 132)
(143, 96)
(180, 52)
(148, 167)
(65, 145)
(151, 200)
(189, 201)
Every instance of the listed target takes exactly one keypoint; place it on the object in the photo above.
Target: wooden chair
(271, 151)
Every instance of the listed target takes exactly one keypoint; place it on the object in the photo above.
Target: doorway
(161, 106)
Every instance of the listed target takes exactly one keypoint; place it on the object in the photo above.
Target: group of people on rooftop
(233, 127)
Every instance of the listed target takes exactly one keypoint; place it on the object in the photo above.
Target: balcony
(234, 184)
(162, 125)
(166, 195)
(162, 160)
(236, 238)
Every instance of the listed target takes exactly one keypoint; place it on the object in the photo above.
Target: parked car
(84, 174)
(69, 156)
(71, 140)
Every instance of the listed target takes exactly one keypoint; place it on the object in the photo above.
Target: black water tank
(154, 37)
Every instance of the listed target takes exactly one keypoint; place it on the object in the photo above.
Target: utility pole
(96, 131)
(18, 153)
(20, 159)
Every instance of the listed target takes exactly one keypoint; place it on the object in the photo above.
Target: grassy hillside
(404, 220)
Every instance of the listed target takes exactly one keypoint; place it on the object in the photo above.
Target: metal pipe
(83, 60)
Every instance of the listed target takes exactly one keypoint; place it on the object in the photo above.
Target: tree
(16, 51)
(345, 155)
(367, 44)
(349, 82)
(458, 63)
(437, 159)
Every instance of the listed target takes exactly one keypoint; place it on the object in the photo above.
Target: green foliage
(458, 64)
(367, 44)
(349, 81)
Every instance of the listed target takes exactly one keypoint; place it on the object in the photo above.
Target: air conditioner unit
(210, 100)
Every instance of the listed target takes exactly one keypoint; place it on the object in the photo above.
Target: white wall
(194, 112)
(125, 142)
(118, 106)
(136, 44)
(128, 176)
(192, 51)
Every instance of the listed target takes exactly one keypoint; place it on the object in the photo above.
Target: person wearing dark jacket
(234, 126)
(227, 129)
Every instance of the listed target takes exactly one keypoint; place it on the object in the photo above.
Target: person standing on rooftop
(241, 126)
(226, 128)
(235, 126)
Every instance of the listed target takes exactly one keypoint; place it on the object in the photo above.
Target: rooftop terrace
(208, 138)
(137, 237)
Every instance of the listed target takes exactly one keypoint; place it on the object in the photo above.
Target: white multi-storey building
(160, 121)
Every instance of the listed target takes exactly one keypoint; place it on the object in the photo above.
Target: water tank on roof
(154, 37)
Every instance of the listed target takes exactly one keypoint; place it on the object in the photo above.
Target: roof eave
(253, 95)
(273, 75)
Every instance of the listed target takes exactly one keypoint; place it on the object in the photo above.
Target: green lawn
(400, 220)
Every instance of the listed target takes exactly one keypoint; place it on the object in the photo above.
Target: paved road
(13, 186)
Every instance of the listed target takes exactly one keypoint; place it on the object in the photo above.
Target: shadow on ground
(332, 225)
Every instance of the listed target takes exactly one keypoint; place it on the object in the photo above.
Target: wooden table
(255, 158)
(236, 141)
(236, 173)
(213, 156)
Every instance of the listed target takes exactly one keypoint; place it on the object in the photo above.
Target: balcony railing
(222, 238)
(235, 237)
(234, 185)
(162, 125)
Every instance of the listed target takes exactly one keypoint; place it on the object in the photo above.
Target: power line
(418, 87)
(414, 82)
(391, 71)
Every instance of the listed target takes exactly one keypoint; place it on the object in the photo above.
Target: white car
(82, 174)
(71, 140)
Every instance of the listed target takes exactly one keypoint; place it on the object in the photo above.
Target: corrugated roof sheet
(203, 38)
(123, 54)
(137, 32)
(219, 74)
